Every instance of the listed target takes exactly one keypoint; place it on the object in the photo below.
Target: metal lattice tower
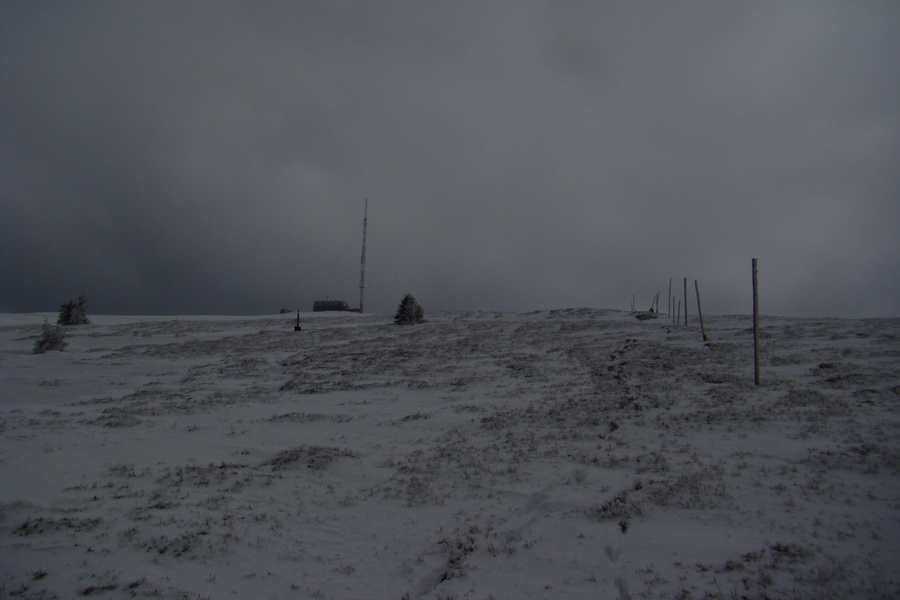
(362, 260)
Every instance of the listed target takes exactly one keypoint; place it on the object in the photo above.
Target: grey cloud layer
(214, 157)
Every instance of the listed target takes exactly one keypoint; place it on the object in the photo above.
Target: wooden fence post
(669, 307)
(699, 310)
(685, 302)
(755, 324)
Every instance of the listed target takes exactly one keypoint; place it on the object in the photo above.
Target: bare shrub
(617, 507)
(315, 457)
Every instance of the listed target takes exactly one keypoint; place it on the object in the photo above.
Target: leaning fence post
(699, 310)
(669, 306)
(755, 325)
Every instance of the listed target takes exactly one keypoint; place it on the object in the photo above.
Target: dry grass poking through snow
(558, 454)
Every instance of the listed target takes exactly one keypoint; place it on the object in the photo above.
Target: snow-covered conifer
(53, 337)
(74, 312)
(410, 312)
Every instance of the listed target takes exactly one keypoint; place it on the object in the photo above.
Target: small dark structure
(332, 305)
(341, 305)
(297, 326)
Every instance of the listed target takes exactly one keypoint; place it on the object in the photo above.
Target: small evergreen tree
(53, 337)
(65, 313)
(410, 312)
(81, 308)
(74, 312)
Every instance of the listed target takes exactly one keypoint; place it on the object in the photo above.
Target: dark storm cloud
(214, 157)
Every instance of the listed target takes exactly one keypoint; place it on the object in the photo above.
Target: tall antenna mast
(362, 259)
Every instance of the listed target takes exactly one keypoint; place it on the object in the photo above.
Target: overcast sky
(214, 157)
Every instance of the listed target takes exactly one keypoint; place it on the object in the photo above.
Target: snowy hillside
(558, 454)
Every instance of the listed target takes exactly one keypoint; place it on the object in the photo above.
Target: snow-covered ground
(570, 454)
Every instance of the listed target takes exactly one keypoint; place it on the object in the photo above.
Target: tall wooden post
(755, 324)
(699, 310)
(669, 307)
(685, 302)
